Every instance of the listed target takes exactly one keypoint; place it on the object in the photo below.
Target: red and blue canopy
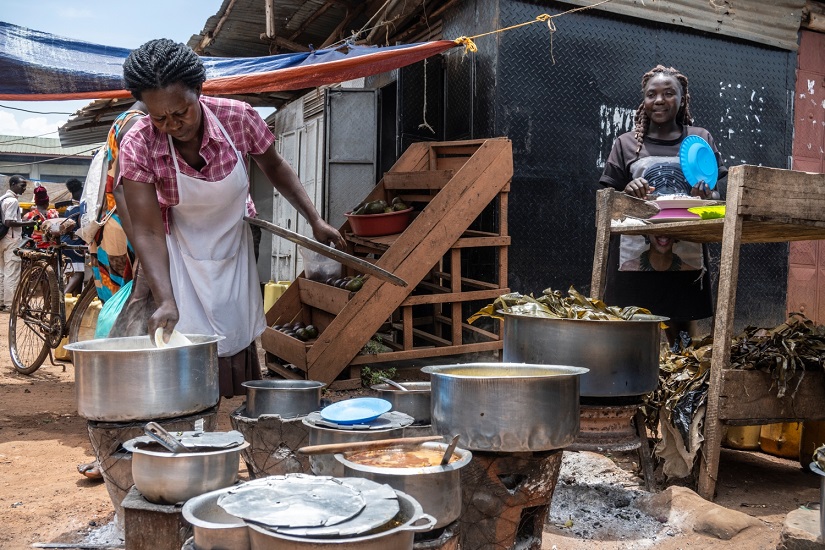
(38, 66)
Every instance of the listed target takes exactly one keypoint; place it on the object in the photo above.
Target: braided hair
(683, 116)
(160, 63)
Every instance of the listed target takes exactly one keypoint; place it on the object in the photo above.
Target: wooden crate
(450, 184)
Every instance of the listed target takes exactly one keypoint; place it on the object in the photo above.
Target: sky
(111, 23)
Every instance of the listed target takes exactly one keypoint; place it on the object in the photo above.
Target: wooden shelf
(763, 205)
(450, 184)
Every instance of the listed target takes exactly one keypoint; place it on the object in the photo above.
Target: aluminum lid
(193, 440)
(388, 421)
(294, 501)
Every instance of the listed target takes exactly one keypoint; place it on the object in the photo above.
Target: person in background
(112, 254)
(640, 162)
(9, 261)
(39, 213)
(76, 257)
(184, 175)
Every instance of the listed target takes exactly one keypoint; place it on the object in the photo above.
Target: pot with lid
(415, 401)
(213, 528)
(622, 356)
(416, 471)
(163, 477)
(506, 407)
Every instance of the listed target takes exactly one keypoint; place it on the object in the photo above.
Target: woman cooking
(185, 181)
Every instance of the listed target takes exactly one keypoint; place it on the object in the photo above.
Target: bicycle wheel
(81, 327)
(31, 320)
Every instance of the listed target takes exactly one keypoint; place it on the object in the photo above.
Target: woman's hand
(702, 190)
(325, 233)
(638, 188)
(166, 316)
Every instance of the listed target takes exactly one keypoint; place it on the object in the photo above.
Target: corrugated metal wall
(563, 117)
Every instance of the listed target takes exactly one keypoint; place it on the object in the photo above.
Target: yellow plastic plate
(709, 212)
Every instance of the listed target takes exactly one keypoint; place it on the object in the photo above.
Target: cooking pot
(410, 520)
(212, 527)
(506, 407)
(127, 379)
(623, 356)
(414, 402)
(166, 478)
(286, 398)
(436, 488)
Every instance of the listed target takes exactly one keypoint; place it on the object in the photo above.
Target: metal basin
(166, 478)
(506, 407)
(286, 398)
(126, 379)
(213, 528)
(410, 519)
(436, 488)
(623, 356)
(414, 402)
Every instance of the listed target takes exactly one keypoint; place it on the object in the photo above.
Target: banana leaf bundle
(785, 351)
(552, 304)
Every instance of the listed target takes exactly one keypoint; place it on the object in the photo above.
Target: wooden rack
(763, 205)
(452, 183)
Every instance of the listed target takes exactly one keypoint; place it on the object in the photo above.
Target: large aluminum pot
(436, 488)
(506, 407)
(286, 398)
(126, 379)
(410, 520)
(414, 402)
(623, 356)
(213, 528)
(166, 478)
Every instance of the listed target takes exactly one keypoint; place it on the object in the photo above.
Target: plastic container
(272, 291)
(780, 439)
(318, 267)
(376, 225)
(745, 438)
(811, 438)
(61, 354)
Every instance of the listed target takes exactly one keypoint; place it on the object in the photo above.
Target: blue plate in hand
(356, 411)
(698, 161)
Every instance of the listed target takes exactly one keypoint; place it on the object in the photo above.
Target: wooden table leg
(722, 334)
(604, 209)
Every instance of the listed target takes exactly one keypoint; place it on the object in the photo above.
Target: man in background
(76, 257)
(9, 261)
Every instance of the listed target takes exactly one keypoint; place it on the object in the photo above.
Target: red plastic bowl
(376, 225)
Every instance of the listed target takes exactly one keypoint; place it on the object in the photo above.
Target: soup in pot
(399, 457)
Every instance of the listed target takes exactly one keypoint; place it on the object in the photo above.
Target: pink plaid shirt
(145, 157)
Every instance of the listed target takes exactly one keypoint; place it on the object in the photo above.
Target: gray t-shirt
(11, 211)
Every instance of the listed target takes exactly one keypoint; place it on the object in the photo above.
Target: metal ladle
(448, 454)
(393, 383)
(167, 440)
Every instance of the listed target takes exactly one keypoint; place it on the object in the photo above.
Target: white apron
(211, 262)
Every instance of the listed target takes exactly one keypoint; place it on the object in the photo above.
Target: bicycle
(37, 320)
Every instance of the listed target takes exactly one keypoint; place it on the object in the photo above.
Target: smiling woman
(184, 173)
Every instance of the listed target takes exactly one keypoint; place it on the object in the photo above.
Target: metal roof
(40, 146)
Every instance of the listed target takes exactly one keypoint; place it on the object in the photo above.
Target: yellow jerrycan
(781, 439)
(272, 291)
(61, 354)
(812, 437)
(744, 438)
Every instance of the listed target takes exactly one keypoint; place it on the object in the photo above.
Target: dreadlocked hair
(683, 117)
(160, 63)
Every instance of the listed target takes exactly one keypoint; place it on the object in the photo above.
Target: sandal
(90, 470)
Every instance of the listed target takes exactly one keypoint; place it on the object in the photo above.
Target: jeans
(9, 269)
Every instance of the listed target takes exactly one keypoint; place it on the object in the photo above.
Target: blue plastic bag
(111, 309)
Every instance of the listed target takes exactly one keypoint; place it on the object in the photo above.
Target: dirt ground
(43, 498)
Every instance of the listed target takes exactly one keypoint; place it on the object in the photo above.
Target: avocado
(355, 284)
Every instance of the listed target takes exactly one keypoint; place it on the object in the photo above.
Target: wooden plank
(426, 239)
(426, 179)
(451, 163)
(604, 204)
(754, 230)
(407, 327)
(282, 371)
(722, 335)
(471, 328)
(782, 194)
(453, 297)
(429, 337)
(323, 296)
(749, 398)
(466, 281)
(422, 353)
(478, 242)
(286, 347)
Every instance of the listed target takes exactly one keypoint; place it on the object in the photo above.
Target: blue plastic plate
(698, 161)
(355, 411)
